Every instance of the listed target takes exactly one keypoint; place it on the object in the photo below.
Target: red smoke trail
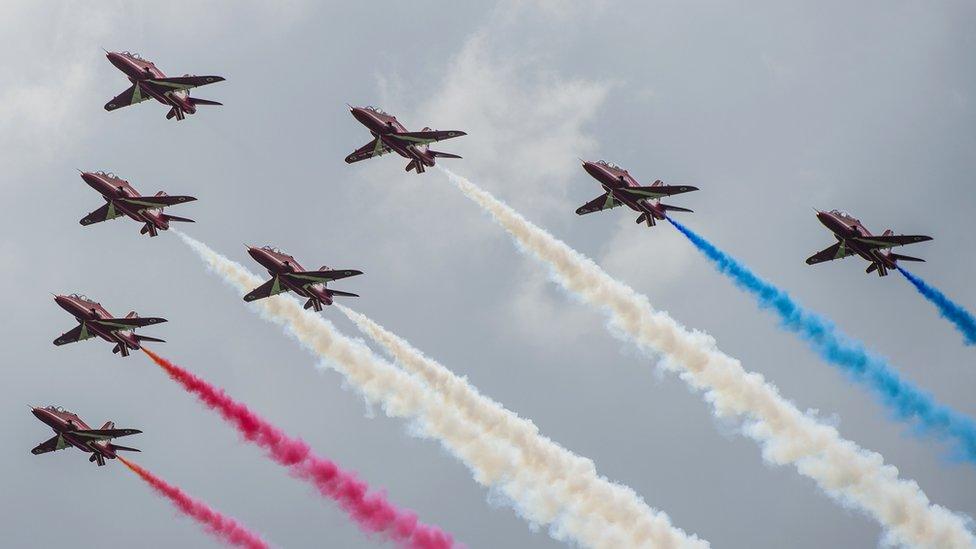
(223, 527)
(371, 511)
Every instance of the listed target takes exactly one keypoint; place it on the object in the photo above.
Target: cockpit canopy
(610, 165)
(110, 175)
(58, 409)
(273, 249)
(842, 213)
(377, 110)
(133, 55)
(83, 297)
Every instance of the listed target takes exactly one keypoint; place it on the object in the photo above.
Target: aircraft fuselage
(85, 311)
(63, 423)
(382, 125)
(612, 179)
(280, 263)
(845, 230)
(140, 70)
(113, 188)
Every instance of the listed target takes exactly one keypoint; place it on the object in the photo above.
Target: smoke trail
(225, 528)
(592, 513)
(856, 477)
(908, 402)
(552, 463)
(371, 511)
(950, 310)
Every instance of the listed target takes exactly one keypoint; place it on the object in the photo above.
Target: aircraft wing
(603, 202)
(78, 333)
(152, 202)
(116, 324)
(50, 445)
(130, 96)
(375, 147)
(104, 434)
(656, 191)
(312, 277)
(104, 213)
(837, 251)
(427, 136)
(182, 82)
(890, 241)
(268, 289)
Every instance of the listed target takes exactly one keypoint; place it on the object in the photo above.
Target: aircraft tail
(877, 266)
(97, 457)
(121, 349)
(141, 338)
(671, 208)
(313, 304)
(132, 314)
(119, 447)
(645, 217)
(415, 165)
(888, 232)
(108, 425)
(178, 113)
(197, 101)
(149, 228)
(439, 154)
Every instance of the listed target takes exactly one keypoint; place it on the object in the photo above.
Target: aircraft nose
(115, 59)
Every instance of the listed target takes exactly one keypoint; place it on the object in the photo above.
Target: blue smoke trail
(906, 401)
(949, 310)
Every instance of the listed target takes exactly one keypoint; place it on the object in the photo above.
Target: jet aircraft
(94, 320)
(70, 431)
(622, 188)
(148, 82)
(122, 199)
(390, 135)
(287, 274)
(854, 239)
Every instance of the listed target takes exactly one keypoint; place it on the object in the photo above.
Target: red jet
(621, 188)
(148, 82)
(94, 320)
(121, 199)
(70, 430)
(854, 239)
(287, 274)
(390, 135)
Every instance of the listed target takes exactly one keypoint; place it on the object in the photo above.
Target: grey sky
(770, 108)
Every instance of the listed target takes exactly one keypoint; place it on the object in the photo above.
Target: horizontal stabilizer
(439, 154)
(900, 257)
(198, 101)
(671, 208)
(118, 447)
(342, 294)
(140, 337)
(168, 217)
(891, 240)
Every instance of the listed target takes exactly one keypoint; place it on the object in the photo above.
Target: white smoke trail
(591, 513)
(545, 459)
(856, 477)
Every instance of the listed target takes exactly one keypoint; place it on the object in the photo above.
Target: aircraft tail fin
(108, 425)
(657, 183)
(197, 101)
(168, 217)
(132, 314)
(671, 208)
(888, 232)
(439, 154)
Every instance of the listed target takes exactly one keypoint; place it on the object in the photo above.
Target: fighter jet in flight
(70, 431)
(121, 199)
(854, 239)
(390, 135)
(287, 274)
(148, 82)
(94, 320)
(621, 188)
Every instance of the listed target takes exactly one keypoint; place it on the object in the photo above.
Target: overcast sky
(771, 108)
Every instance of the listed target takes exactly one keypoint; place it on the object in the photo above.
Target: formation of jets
(388, 135)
